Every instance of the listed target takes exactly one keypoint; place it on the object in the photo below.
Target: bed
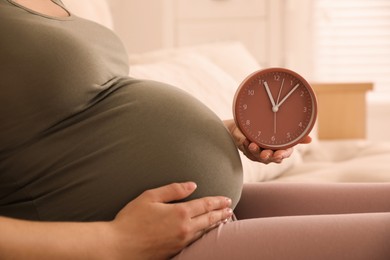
(212, 72)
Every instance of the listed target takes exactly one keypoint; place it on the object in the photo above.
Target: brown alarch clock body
(275, 108)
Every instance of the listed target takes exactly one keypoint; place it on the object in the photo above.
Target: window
(352, 42)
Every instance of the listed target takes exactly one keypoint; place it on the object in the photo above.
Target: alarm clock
(275, 108)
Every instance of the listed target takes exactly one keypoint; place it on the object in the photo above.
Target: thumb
(172, 192)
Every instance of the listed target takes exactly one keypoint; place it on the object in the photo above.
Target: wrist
(116, 244)
(106, 241)
(229, 124)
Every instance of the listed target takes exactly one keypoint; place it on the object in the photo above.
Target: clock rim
(313, 117)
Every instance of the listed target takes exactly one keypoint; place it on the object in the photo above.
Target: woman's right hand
(150, 227)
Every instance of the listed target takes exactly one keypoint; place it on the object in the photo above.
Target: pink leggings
(302, 221)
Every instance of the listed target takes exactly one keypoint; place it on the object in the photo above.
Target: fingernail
(279, 158)
(229, 201)
(190, 185)
(252, 147)
(229, 211)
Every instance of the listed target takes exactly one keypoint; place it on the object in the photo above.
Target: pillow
(196, 75)
(203, 71)
(231, 57)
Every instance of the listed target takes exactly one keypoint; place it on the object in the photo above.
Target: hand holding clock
(253, 151)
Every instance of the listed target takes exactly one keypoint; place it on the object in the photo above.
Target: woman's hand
(152, 228)
(253, 151)
(149, 227)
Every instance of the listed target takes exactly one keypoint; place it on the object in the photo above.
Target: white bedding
(342, 161)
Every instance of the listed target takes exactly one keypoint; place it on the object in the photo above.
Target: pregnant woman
(97, 165)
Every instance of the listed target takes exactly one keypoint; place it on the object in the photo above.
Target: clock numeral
(300, 124)
(273, 138)
(304, 109)
(288, 135)
(258, 133)
(251, 92)
(261, 82)
(277, 77)
(302, 93)
(248, 122)
(245, 106)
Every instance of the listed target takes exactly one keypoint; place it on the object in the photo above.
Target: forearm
(52, 240)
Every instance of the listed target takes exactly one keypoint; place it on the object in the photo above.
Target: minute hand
(289, 94)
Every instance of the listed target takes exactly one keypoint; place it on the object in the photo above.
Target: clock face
(275, 108)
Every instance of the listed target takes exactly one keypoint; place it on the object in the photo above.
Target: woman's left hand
(253, 151)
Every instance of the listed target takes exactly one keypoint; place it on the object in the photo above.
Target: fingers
(255, 153)
(207, 204)
(206, 222)
(207, 213)
(279, 155)
(215, 208)
(306, 140)
(171, 192)
(212, 219)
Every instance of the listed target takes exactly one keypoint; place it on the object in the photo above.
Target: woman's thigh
(341, 236)
(289, 199)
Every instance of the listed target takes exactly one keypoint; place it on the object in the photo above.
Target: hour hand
(269, 94)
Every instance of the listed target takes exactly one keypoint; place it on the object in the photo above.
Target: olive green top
(79, 139)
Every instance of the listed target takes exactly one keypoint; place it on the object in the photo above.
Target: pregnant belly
(144, 135)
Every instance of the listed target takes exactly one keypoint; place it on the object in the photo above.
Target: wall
(139, 23)
(150, 25)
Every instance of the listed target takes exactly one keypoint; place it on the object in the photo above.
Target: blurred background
(346, 40)
(324, 40)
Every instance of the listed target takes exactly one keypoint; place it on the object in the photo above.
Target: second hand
(274, 122)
